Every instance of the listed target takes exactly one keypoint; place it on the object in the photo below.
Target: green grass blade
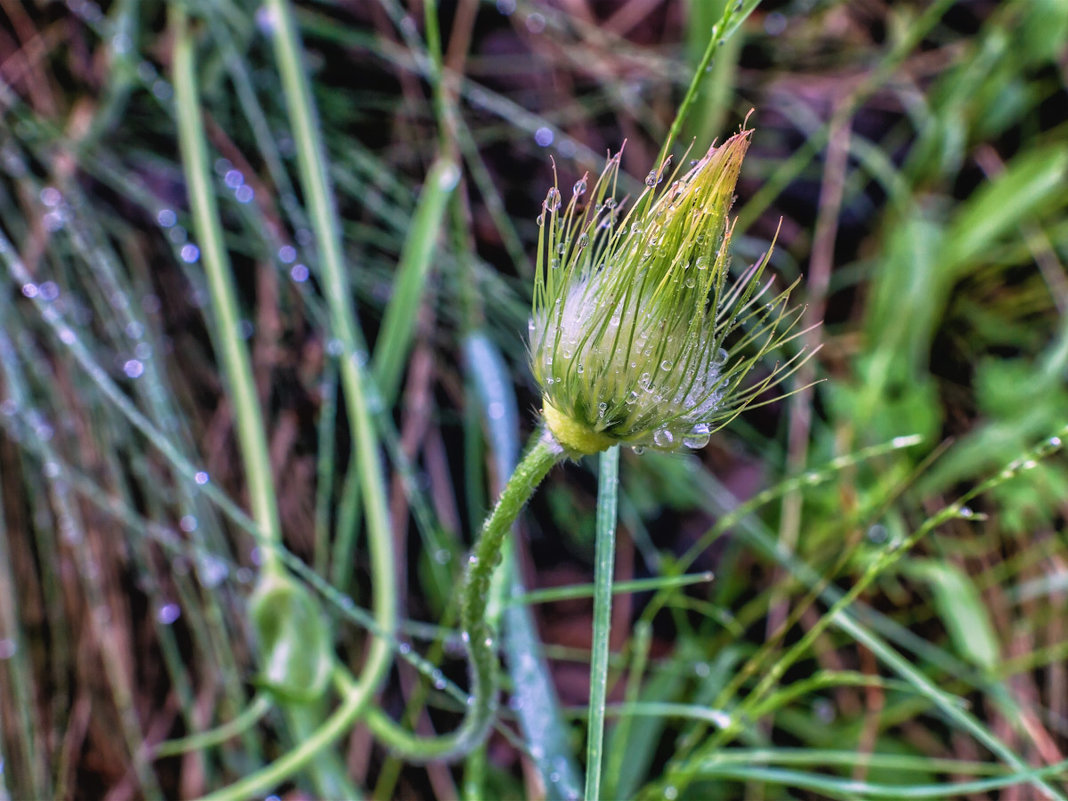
(607, 497)
(236, 365)
(420, 246)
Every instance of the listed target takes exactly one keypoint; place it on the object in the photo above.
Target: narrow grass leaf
(401, 317)
(962, 610)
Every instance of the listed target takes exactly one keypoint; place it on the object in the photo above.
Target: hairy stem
(477, 631)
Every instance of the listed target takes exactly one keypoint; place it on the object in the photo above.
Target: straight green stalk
(237, 368)
(607, 500)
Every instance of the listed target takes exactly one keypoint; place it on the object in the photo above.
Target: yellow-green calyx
(577, 438)
(638, 335)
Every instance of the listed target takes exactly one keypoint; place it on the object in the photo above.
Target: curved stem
(477, 631)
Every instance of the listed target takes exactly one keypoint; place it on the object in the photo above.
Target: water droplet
(540, 220)
(8, 648)
(671, 792)
(404, 648)
(966, 511)
(51, 196)
(543, 136)
(638, 449)
(663, 438)
(299, 273)
(878, 534)
(211, 570)
(438, 678)
(602, 407)
(201, 477)
(168, 613)
(472, 560)
(697, 437)
(583, 240)
(721, 358)
(614, 321)
(651, 178)
(580, 369)
(666, 365)
(580, 187)
(188, 523)
(29, 290)
(244, 193)
(450, 176)
(190, 253)
(1055, 442)
(133, 368)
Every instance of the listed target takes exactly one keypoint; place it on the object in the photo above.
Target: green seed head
(638, 336)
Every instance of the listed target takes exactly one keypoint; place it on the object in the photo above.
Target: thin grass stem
(237, 367)
(607, 502)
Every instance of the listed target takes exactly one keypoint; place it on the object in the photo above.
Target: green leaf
(1031, 185)
(962, 610)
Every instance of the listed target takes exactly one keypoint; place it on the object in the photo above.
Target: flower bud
(639, 336)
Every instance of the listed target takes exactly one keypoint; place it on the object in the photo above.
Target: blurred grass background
(911, 155)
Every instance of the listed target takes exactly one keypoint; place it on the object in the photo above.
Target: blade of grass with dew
(232, 352)
(852, 789)
(298, 651)
(604, 573)
(571, 592)
(841, 617)
(313, 174)
(714, 99)
(533, 696)
(401, 317)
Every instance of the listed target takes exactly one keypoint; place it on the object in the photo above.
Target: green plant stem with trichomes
(478, 634)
